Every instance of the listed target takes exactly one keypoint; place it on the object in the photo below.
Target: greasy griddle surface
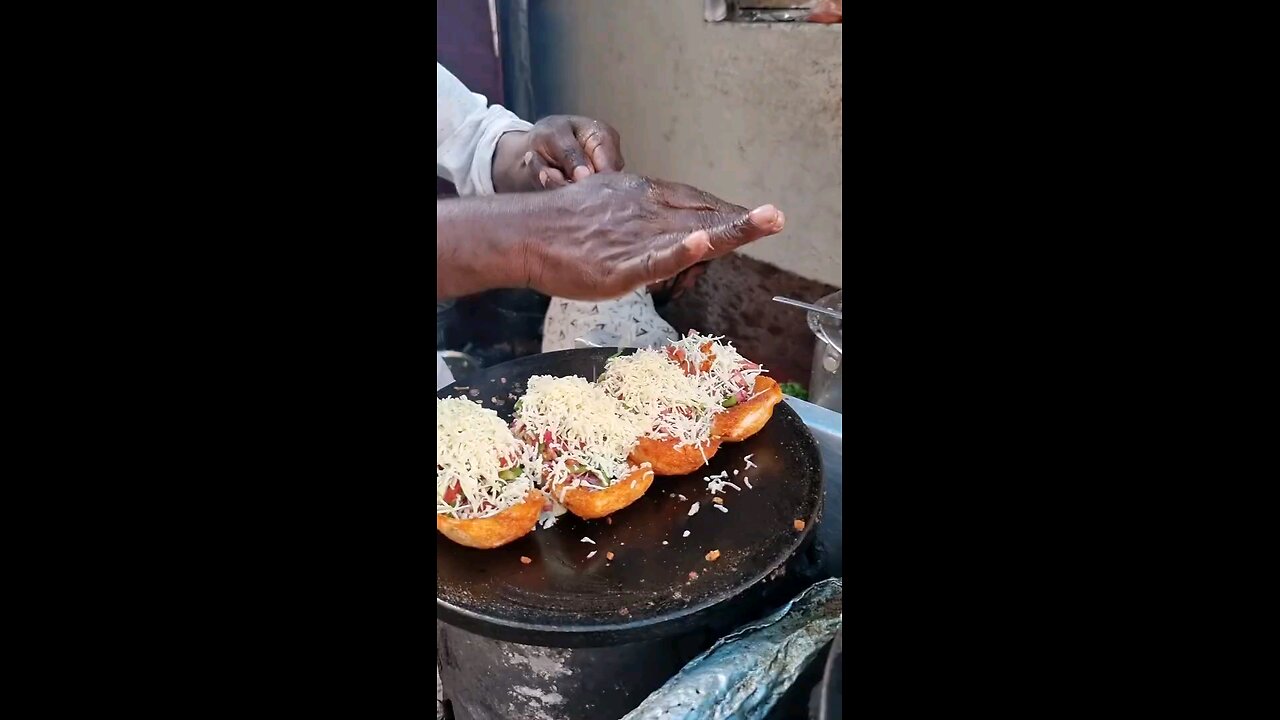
(647, 584)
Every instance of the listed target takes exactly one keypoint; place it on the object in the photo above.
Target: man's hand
(607, 234)
(555, 152)
(668, 290)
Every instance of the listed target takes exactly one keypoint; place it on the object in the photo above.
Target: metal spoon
(812, 308)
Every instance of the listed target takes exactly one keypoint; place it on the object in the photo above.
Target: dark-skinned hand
(606, 234)
(557, 151)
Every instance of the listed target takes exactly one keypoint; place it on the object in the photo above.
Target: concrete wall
(749, 112)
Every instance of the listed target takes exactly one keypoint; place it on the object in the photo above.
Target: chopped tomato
(452, 492)
(710, 356)
(681, 359)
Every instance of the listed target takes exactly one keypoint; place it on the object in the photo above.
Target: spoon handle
(812, 308)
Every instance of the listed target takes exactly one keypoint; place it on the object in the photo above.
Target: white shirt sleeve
(467, 132)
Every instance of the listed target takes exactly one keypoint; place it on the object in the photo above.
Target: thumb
(664, 263)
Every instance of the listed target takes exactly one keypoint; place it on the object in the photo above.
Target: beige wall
(749, 112)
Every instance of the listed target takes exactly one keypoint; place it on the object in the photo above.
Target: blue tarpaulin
(744, 674)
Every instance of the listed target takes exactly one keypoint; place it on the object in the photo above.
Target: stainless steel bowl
(826, 379)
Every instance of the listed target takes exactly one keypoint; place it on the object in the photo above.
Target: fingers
(578, 147)
(665, 262)
(687, 197)
(559, 146)
(600, 142)
(729, 226)
(769, 219)
(730, 230)
(548, 176)
(760, 223)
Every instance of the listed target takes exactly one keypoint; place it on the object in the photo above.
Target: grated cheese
(728, 374)
(693, 510)
(670, 404)
(471, 442)
(549, 518)
(717, 483)
(591, 554)
(585, 426)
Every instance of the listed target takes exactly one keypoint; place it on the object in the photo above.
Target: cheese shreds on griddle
(550, 515)
(729, 374)
(472, 444)
(588, 432)
(671, 404)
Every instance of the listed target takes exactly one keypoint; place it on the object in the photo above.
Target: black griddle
(564, 599)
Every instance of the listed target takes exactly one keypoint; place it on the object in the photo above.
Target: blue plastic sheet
(746, 672)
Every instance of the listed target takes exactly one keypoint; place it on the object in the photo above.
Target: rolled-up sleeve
(467, 132)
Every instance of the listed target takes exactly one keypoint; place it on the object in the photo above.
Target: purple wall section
(464, 45)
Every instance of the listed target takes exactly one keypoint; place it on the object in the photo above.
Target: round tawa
(659, 582)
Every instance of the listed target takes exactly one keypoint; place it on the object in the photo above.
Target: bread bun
(665, 459)
(591, 504)
(496, 530)
(747, 418)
